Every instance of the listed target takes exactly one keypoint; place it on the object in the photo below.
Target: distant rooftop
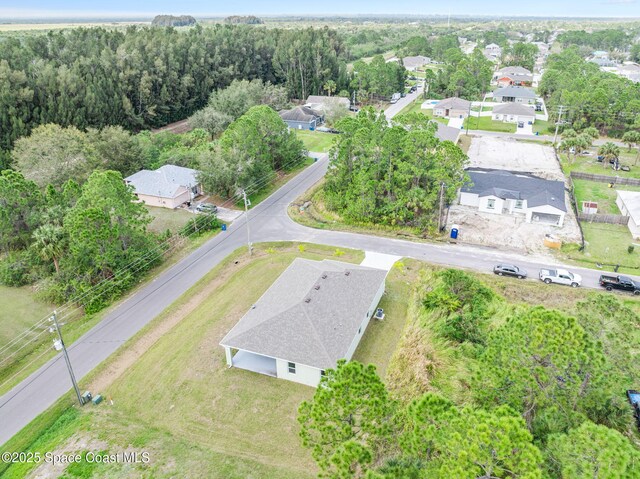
(165, 182)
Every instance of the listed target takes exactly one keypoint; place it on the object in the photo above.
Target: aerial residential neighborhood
(348, 240)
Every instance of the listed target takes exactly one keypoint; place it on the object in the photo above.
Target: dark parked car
(206, 208)
(509, 270)
(619, 282)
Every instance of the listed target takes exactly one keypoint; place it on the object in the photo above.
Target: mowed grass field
(316, 141)
(199, 418)
(167, 219)
(19, 310)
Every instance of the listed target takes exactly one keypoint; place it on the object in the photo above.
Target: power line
(75, 304)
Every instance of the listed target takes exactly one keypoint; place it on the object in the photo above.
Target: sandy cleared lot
(513, 155)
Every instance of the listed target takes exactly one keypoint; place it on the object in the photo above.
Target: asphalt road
(269, 221)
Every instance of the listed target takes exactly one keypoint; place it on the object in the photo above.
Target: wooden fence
(617, 180)
(599, 218)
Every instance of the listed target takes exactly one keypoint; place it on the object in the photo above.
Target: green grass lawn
(598, 192)
(167, 219)
(607, 244)
(181, 402)
(487, 124)
(589, 164)
(281, 180)
(19, 310)
(543, 127)
(315, 140)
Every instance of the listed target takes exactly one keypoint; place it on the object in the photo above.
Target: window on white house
(519, 204)
(491, 204)
(292, 368)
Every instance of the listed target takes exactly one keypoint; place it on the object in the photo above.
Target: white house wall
(365, 323)
(483, 205)
(304, 374)
(162, 202)
(634, 229)
(469, 199)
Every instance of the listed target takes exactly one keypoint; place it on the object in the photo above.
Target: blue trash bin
(454, 233)
(224, 227)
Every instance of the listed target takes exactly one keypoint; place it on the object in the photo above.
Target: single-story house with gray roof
(168, 187)
(514, 113)
(629, 204)
(452, 108)
(314, 314)
(416, 62)
(514, 94)
(506, 192)
(302, 118)
(321, 103)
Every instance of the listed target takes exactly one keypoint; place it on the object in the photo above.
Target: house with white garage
(629, 205)
(514, 94)
(514, 113)
(314, 314)
(513, 76)
(452, 108)
(415, 63)
(169, 186)
(503, 192)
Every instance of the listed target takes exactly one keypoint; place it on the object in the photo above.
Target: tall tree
(347, 422)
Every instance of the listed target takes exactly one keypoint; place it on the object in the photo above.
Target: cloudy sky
(84, 8)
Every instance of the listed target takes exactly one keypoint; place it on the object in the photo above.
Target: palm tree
(610, 151)
(49, 243)
(632, 139)
(330, 86)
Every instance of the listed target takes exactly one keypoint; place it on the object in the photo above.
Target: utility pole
(54, 320)
(442, 185)
(247, 203)
(555, 137)
(469, 117)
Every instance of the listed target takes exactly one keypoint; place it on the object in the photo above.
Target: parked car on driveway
(206, 208)
(560, 276)
(619, 282)
(509, 270)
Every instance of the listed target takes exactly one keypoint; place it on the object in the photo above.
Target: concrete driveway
(456, 123)
(525, 130)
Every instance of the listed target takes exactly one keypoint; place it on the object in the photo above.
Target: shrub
(630, 249)
(200, 224)
(15, 268)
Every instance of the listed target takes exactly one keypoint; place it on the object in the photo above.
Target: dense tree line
(609, 39)
(249, 153)
(464, 76)
(547, 396)
(391, 175)
(71, 237)
(147, 77)
(378, 78)
(520, 54)
(589, 96)
(229, 104)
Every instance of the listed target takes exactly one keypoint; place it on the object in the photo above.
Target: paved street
(269, 222)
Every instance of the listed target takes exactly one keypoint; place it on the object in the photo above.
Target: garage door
(545, 218)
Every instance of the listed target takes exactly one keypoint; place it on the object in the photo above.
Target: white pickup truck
(560, 276)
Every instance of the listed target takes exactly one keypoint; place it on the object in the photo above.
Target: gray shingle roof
(283, 325)
(515, 92)
(417, 61)
(447, 133)
(513, 71)
(507, 185)
(300, 113)
(514, 109)
(453, 104)
(165, 182)
(518, 77)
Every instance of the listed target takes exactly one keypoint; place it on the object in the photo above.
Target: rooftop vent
(316, 287)
(347, 273)
(324, 276)
(308, 300)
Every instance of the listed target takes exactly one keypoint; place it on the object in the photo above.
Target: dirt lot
(509, 231)
(513, 155)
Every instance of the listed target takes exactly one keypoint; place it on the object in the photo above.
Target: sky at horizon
(42, 9)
